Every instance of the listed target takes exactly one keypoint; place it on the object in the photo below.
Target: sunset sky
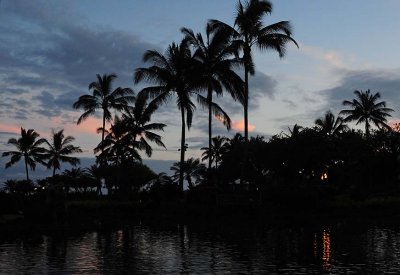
(51, 50)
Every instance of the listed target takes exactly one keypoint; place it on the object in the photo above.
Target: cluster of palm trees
(200, 66)
(328, 131)
(197, 64)
(131, 129)
(29, 147)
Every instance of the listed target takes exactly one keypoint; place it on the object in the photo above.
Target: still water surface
(247, 249)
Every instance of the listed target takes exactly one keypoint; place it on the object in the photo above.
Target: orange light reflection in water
(326, 250)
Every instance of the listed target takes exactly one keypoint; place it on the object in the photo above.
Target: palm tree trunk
(182, 150)
(209, 99)
(246, 103)
(102, 132)
(54, 171)
(26, 168)
(366, 129)
(246, 118)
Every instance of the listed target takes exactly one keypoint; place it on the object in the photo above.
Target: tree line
(207, 66)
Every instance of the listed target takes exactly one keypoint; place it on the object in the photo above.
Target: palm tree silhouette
(28, 148)
(59, 150)
(218, 148)
(172, 73)
(329, 125)
(137, 118)
(95, 173)
(104, 98)
(294, 132)
(117, 146)
(192, 169)
(214, 55)
(75, 178)
(250, 31)
(365, 108)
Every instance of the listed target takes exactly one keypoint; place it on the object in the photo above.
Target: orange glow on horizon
(239, 126)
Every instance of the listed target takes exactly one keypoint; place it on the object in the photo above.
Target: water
(222, 248)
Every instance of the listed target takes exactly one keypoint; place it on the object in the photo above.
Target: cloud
(332, 58)
(50, 54)
(239, 126)
(260, 85)
(384, 81)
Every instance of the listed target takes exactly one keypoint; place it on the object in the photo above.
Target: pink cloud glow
(89, 126)
(239, 126)
(10, 128)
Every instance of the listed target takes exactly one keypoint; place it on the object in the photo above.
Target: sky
(51, 50)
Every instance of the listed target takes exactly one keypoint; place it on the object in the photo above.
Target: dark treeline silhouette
(324, 162)
(318, 164)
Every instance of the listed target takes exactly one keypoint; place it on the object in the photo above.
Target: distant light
(324, 176)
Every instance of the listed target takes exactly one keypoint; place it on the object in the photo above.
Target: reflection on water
(326, 252)
(208, 249)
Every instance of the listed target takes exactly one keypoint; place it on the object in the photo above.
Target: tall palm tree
(214, 54)
(218, 148)
(60, 148)
(28, 148)
(249, 31)
(365, 108)
(172, 73)
(137, 118)
(104, 98)
(329, 125)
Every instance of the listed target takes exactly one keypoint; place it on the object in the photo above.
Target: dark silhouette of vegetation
(172, 73)
(28, 148)
(60, 148)
(331, 126)
(118, 146)
(365, 108)
(305, 167)
(192, 169)
(249, 31)
(104, 98)
(216, 151)
(137, 122)
(217, 70)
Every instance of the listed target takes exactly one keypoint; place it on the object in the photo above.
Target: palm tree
(214, 55)
(75, 176)
(192, 169)
(104, 98)
(117, 146)
(294, 132)
(250, 31)
(329, 125)
(365, 108)
(28, 148)
(95, 173)
(172, 73)
(137, 120)
(218, 148)
(59, 150)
